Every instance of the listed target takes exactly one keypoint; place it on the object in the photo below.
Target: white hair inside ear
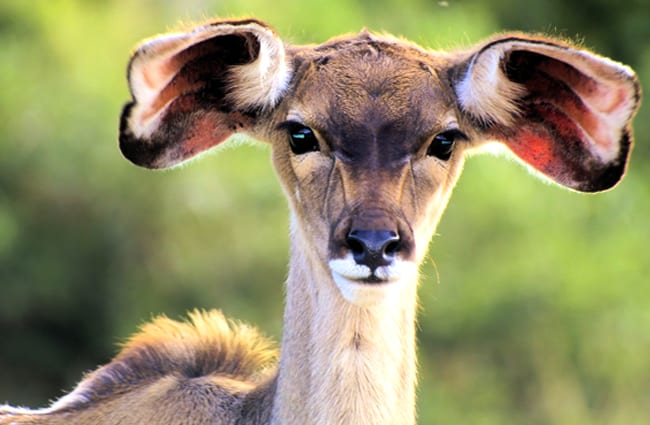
(265, 80)
(485, 92)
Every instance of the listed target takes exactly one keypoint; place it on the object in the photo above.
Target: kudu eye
(302, 139)
(442, 144)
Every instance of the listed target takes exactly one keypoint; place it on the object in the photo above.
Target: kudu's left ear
(193, 90)
(566, 112)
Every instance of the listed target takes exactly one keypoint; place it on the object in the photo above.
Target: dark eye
(442, 144)
(301, 139)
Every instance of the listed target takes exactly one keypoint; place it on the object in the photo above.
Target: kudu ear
(564, 111)
(192, 90)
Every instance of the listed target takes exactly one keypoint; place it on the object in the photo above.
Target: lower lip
(365, 292)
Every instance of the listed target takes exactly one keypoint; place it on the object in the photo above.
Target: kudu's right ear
(192, 90)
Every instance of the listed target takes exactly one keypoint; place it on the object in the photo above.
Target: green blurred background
(536, 301)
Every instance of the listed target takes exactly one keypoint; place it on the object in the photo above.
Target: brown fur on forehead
(366, 67)
(370, 87)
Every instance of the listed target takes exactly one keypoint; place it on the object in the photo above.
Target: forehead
(367, 83)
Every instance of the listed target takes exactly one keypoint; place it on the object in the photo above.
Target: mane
(206, 345)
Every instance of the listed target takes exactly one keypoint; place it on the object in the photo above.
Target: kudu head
(369, 133)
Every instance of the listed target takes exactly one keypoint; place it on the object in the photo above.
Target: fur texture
(214, 362)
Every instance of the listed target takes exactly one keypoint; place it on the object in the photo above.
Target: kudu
(368, 136)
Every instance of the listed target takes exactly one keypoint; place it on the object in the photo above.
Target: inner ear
(192, 90)
(598, 109)
(198, 75)
(566, 112)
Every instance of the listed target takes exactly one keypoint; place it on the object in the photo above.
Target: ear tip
(611, 175)
(609, 179)
(132, 150)
(135, 150)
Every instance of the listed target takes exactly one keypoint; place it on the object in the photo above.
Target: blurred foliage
(541, 310)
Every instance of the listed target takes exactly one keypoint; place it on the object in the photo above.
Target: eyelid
(456, 132)
(293, 118)
(286, 125)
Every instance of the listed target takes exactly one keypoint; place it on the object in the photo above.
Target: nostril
(392, 247)
(356, 246)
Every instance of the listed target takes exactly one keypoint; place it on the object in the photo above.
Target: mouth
(363, 286)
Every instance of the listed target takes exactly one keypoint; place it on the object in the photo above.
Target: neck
(341, 363)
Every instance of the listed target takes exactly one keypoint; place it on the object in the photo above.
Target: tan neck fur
(342, 364)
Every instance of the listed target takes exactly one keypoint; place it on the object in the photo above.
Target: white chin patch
(361, 287)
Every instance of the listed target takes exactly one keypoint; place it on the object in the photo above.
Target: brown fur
(211, 363)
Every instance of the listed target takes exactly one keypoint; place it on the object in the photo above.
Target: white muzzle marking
(360, 286)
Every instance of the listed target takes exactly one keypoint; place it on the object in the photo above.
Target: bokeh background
(536, 301)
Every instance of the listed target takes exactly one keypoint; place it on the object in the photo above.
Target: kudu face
(368, 133)
(354, 151)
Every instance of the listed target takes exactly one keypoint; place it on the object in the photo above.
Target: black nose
(373, 248)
